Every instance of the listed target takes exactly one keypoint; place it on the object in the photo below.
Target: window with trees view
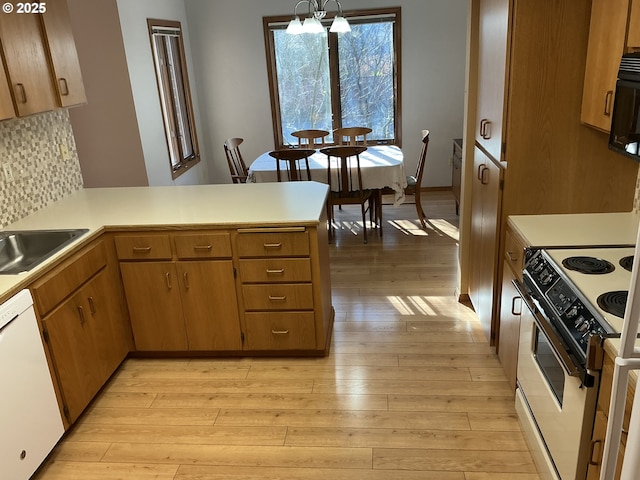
(331, 80)
(175, 96)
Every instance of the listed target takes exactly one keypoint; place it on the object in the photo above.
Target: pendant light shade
(313, 23)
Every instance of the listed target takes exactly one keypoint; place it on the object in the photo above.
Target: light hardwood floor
(409, 391)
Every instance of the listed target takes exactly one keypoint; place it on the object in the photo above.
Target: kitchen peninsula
(208, 269)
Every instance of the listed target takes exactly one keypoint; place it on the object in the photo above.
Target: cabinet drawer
(284, 296)
(280, 331)
(514, 253)
(276, 244)
(275, 270)
(205, 245)
(143, 247)
(68, 277)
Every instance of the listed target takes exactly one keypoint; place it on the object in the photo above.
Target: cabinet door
(606, 44)
(106, 314)
(71, 342)
(64, 57)
(510, 308)
(633, 35)
(6, 103)
(155, 309)
(485, 222)
(210, 305)
(27, 63)
(492, 74)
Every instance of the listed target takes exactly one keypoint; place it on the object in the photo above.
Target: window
(329, 80)
(175, 97)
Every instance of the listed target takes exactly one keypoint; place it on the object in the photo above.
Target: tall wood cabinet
(486, 203)
(550, 161)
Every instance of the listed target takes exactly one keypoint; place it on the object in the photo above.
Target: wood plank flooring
(409, 391)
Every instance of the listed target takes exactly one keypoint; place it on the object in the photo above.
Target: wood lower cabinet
(602, 417)
(181, 305)
(276, 277)
(85, 325)
(510, 306)
(155, 308)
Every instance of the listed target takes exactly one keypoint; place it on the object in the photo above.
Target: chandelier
(313, 24)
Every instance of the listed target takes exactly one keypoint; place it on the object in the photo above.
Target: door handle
(484, 180)
(607, 103)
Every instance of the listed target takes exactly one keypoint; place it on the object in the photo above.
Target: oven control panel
(561, 302)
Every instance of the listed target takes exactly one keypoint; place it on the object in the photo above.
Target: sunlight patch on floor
(444, 227)
(408, 227)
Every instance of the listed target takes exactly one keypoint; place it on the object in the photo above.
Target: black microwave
(625, 121)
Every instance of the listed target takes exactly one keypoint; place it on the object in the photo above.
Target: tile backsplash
(30, 148)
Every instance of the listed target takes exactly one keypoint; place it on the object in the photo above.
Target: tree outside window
(327, 80)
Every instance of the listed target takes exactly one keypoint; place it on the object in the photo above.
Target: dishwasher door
(30, 419)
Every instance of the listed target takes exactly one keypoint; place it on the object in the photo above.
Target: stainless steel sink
(21, 250)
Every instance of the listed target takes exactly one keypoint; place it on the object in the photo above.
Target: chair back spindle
(237, 167)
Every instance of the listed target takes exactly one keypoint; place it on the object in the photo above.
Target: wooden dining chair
(237, 167)
(414, 185)
(344, 188)
(307, 138)
(292, 157)
(351, 135)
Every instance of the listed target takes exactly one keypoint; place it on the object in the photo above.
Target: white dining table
(381, 166)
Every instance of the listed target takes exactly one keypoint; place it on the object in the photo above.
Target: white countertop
(100, 209)
(577, 229)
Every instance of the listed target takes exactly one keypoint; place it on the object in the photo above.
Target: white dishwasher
(30, 421)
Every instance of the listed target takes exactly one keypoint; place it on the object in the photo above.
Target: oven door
(561, 406)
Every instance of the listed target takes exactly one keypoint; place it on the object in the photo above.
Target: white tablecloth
(381, 166)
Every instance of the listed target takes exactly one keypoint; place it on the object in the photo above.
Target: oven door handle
(559, 351)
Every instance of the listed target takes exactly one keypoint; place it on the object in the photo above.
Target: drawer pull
(23, 93)
(277, 298)
(512, 256)
(280, 332)
(141, 249)
(272, 245)
(206, 248)
(279, 271)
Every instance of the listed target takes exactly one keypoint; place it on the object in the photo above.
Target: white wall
(231, 76)
(135, 33)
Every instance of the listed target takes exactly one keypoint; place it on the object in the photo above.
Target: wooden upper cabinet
(633, 36)
(27, 63)
(64, 57)
(492, 74)
(6, 104)
(606, 45)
